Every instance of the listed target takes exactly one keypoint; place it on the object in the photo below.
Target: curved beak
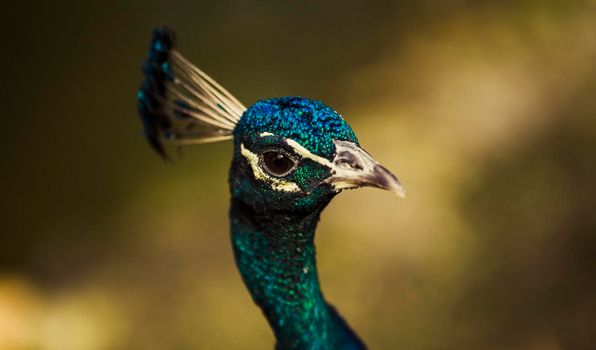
(353, 167)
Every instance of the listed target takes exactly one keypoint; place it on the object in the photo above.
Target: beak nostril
(348, 164)
(348, 160)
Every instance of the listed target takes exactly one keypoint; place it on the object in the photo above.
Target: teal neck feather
(275, 254)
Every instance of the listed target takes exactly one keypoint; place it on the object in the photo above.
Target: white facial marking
(276, 184)
(299, 149)
(342, 166)
(352, 167)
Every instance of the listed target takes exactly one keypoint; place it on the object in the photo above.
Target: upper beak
(353, 167)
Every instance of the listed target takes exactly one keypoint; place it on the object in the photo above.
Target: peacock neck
(275, 254)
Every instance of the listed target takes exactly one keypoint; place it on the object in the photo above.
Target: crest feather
(179, 103)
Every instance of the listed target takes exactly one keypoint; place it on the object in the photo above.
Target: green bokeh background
(486, 110)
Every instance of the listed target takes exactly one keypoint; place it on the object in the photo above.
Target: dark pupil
(277, 163)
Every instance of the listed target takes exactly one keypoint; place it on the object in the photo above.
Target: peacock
(291, 156)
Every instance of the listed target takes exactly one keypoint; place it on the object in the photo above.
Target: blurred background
(486, 110)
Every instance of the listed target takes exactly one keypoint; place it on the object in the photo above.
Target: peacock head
(294, 153)
(290, 153)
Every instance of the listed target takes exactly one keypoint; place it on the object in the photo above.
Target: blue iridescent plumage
(291, 156)
(307, 121)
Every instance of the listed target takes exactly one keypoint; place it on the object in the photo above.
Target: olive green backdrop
(486, 110)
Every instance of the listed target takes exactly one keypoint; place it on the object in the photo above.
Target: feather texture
(179, 103)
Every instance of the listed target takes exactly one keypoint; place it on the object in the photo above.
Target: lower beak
(353, 167)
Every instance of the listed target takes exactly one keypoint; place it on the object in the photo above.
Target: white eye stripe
(275, 183)
(351, 167)
(300, 150)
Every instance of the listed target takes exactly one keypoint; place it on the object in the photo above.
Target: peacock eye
(277, 163)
